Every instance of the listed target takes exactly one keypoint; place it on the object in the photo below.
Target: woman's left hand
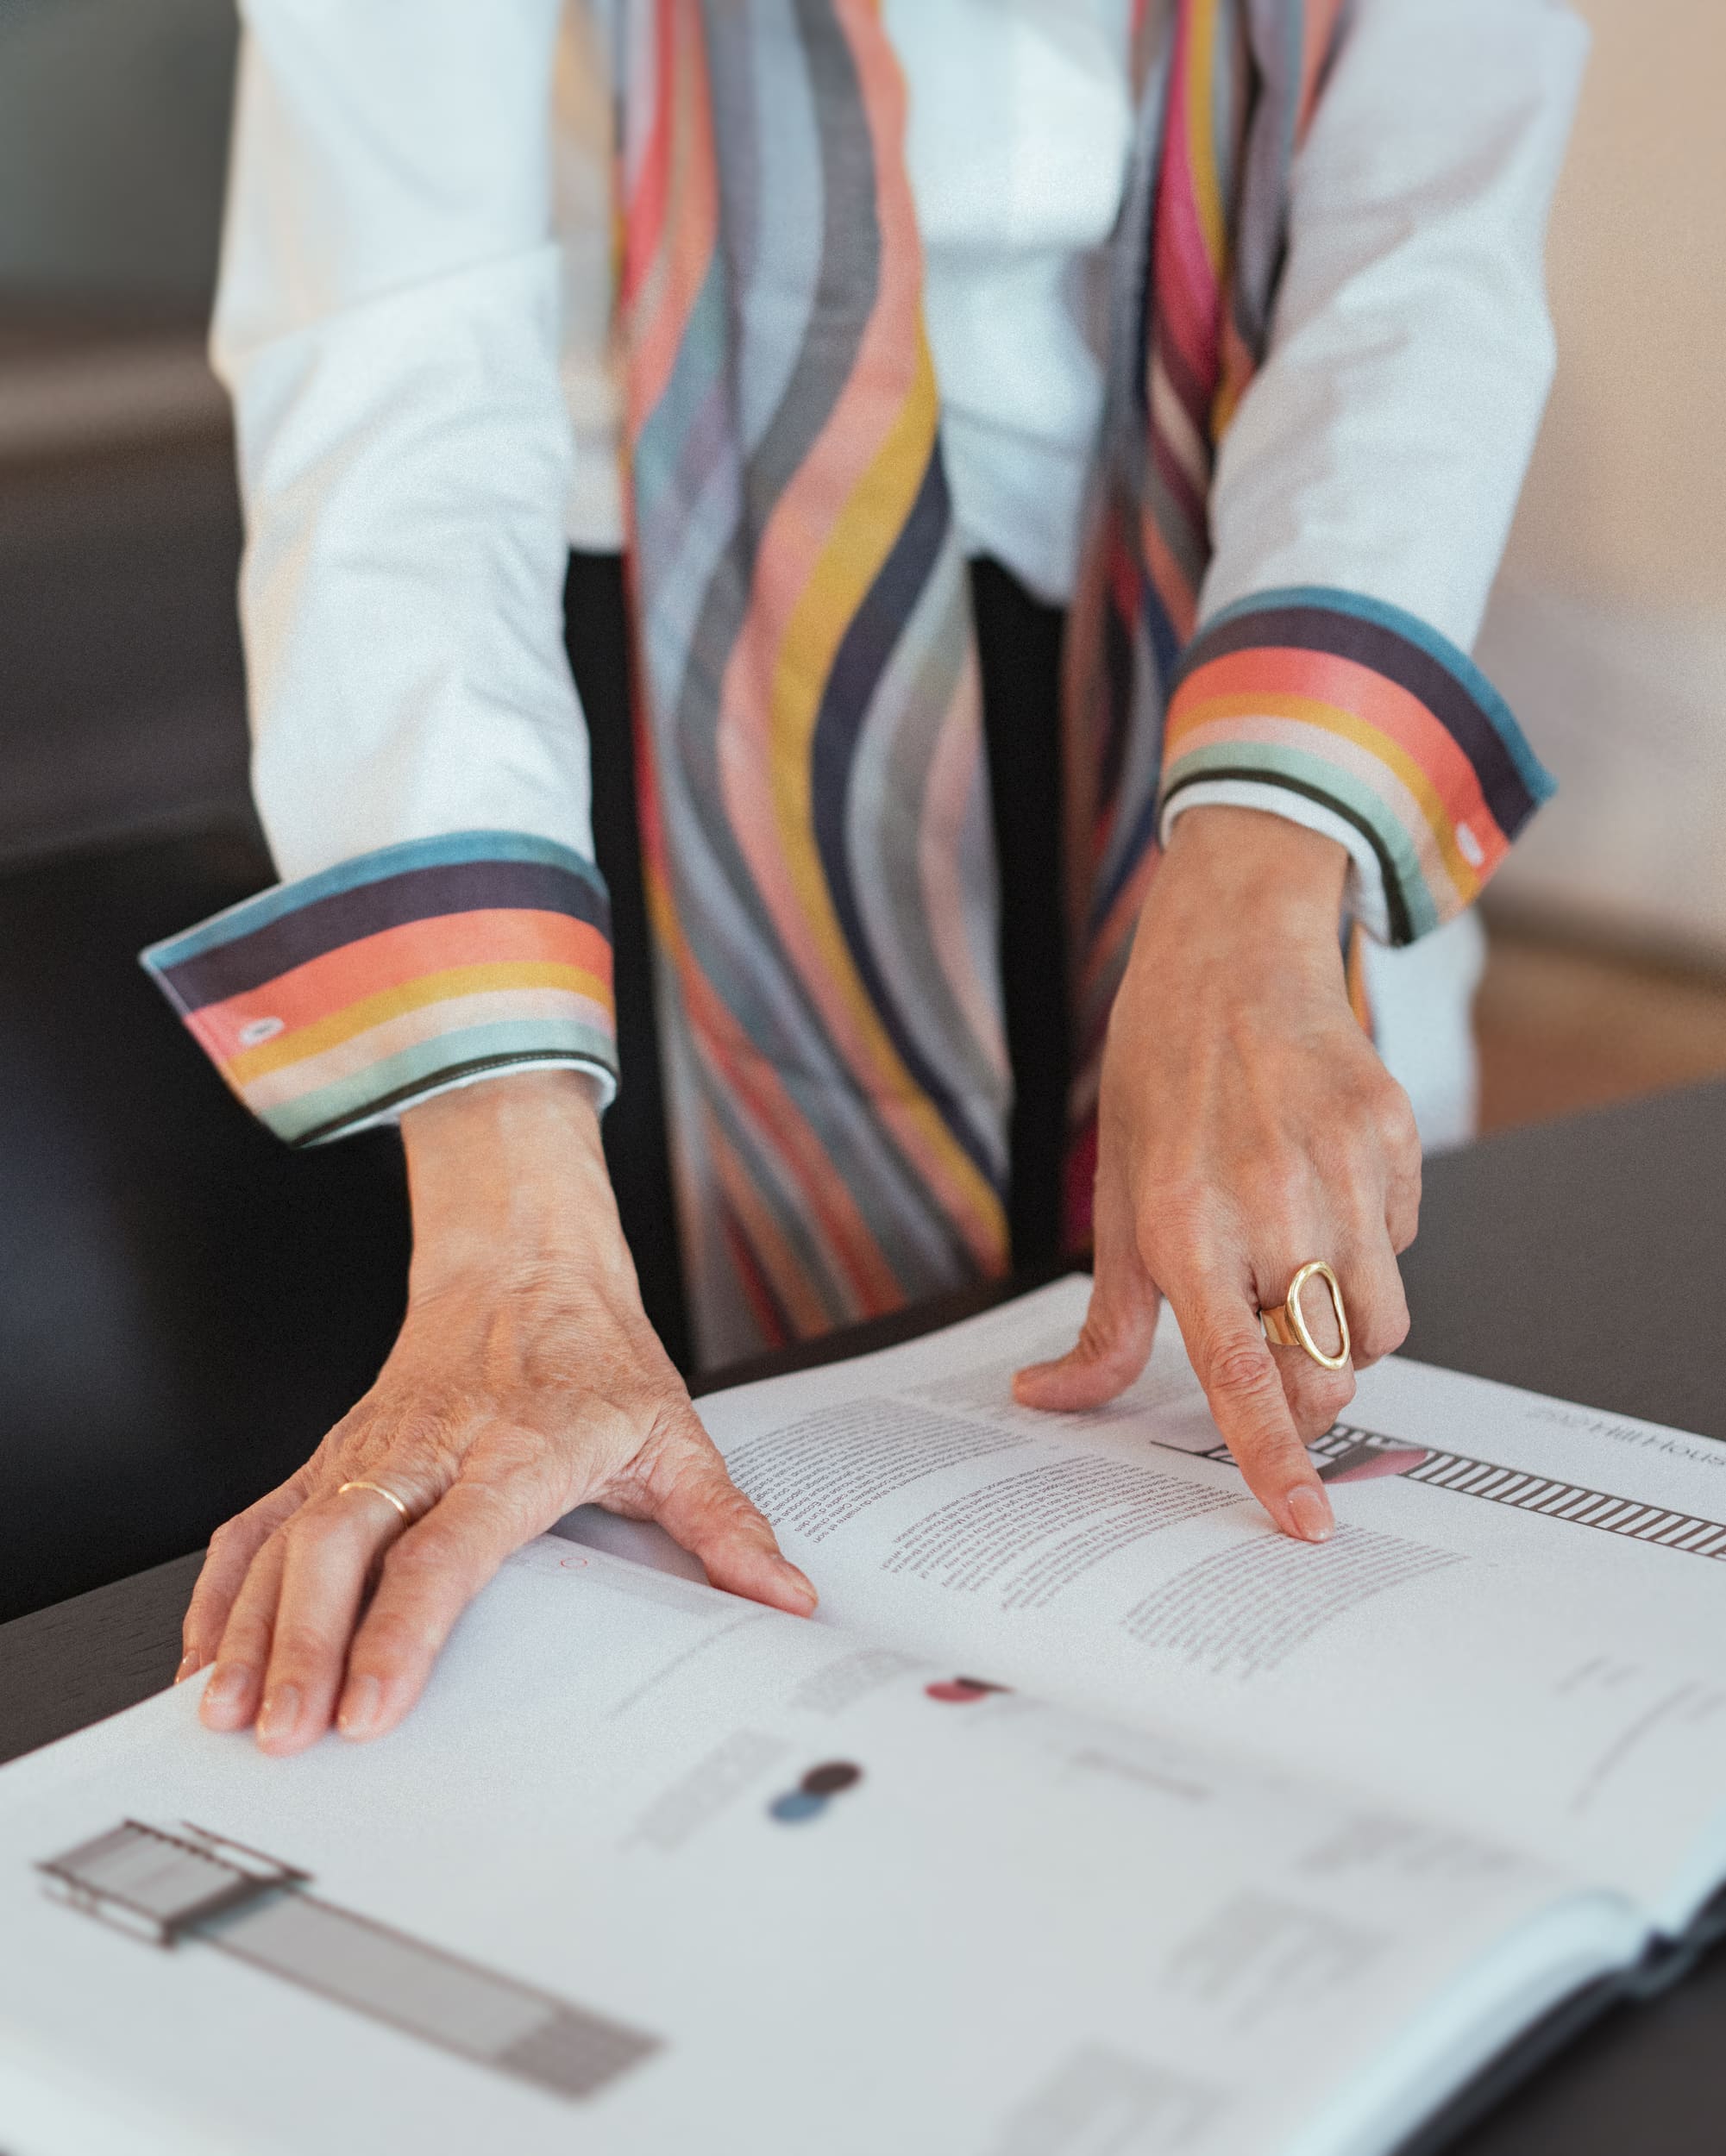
(526, 1380)
(1246, 1127)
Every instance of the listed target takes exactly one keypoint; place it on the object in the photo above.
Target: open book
(1089, 1815)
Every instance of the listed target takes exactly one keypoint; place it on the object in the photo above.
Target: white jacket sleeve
(1375, 460)
(388, 323)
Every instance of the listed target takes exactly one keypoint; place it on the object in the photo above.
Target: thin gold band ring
(1287, 1324)
(388, 1495)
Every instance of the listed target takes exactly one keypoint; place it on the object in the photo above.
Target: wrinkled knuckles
(417, 1557)
(489, 1491)
(249, 1644)
(390, 1642)
(230, 1537)
(325, 1519)
(253, 1620)
(737, 1514)
(1100, 1350)
(1172, 1208)
(1391, 1117)
(1243, 1373)
(616, 1423)
(675, 1451)
(1316, 1406)
(419, 1452)
(297, 1649)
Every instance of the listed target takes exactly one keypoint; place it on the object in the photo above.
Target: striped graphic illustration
(1347, 1446)
(328, 1002)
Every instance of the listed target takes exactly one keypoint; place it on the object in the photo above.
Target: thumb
(693, 1497)
(1119, 1325)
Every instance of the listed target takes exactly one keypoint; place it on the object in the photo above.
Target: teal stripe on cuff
(1410, 900)
(392, 1084)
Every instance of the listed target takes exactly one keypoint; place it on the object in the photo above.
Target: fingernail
(804, 1585)
(358, 1714)
(1309, 1514)
(191, 1663)
(280, 1713)
(227, 1690)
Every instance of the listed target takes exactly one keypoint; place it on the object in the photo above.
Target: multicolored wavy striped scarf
(815, 824)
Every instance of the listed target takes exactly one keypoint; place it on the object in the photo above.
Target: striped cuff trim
(334, 1001)
(1370, 714)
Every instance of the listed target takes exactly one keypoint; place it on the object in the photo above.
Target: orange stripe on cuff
(1284, 680)
(373, 965)
(281, 1049)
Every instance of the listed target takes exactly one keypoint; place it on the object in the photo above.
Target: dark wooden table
(1585, 1258)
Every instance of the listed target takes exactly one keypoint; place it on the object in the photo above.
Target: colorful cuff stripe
(1363, 707)
(329, 1002)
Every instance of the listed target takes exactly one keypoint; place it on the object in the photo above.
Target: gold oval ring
(1287, 1323)
(388, 1495)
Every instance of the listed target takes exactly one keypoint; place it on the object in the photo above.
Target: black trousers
(1019, 642)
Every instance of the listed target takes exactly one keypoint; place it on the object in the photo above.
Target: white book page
(786, 1887)
(1517, 1625)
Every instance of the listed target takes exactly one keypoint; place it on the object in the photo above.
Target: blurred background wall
(121, 708)
(113, 127)
(1609, 622)
(1607, 630)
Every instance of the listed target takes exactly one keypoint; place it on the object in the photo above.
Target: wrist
(1263, 873)
(508, 1172)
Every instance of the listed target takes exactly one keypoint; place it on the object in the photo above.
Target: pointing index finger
(1245, 1389)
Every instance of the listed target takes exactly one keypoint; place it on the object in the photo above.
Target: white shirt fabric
(415, 320)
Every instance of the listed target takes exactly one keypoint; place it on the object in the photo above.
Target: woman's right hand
(526, 1380)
